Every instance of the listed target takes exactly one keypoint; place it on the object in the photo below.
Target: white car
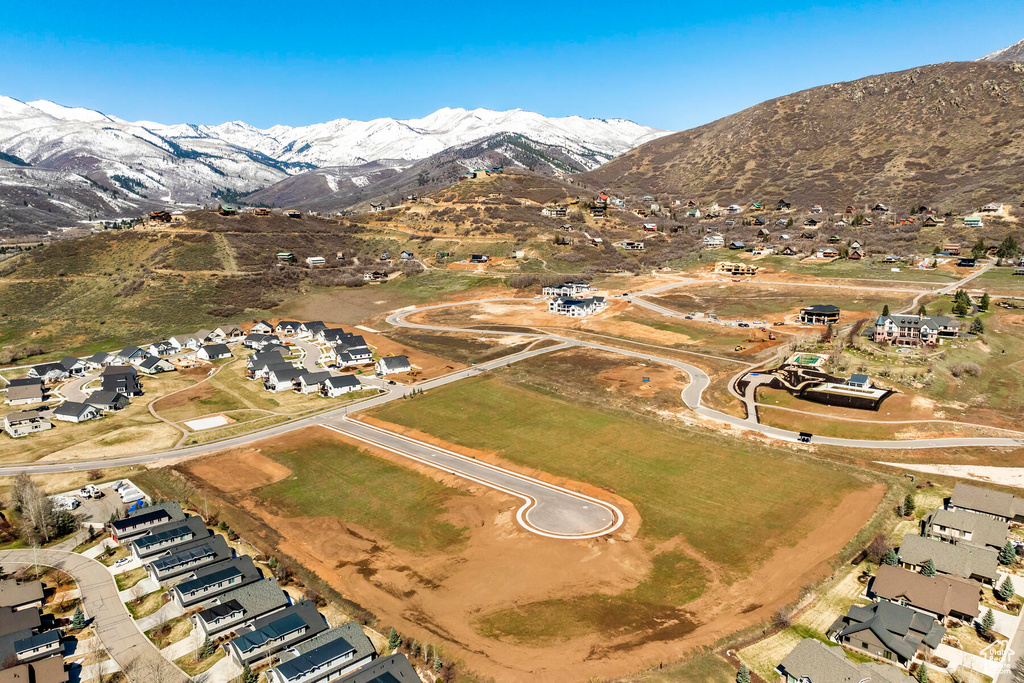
(123, 561)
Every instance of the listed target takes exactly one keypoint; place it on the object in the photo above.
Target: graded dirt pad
(642, 380)
(186, 396)
(425, 365)
(238, 470)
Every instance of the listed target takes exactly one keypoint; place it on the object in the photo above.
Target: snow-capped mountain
(1013, 53)
(134, 164)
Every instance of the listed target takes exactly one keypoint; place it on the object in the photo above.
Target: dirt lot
(436, 597)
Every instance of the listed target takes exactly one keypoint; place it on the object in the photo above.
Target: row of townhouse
(231, 603)
(31, 647)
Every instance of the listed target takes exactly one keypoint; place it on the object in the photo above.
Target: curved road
(120, 636)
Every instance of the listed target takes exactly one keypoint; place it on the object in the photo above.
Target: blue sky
(668, 64)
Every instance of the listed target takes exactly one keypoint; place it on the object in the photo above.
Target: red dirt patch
(240, 470)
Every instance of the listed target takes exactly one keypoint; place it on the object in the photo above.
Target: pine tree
(78, 619)
(890, 558)
(438, 664)
(1017, 671)
(988, 622)
(979, 248)
(249, 676)
(744, 674)
(1006, 591)
(921, 676)
(985, 302)
(394, 640)
(885, 310)
(960, 308)
(207, 649)
(922, 310)
(908, 504)
(928, 569)
(1007, 554)
(977, 327)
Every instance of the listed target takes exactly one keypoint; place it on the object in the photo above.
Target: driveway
(111, 621)
(72, 390)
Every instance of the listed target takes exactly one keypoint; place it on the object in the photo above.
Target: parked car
(123, 561)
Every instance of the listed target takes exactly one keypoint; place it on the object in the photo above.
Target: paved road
(72, 391)
(548, 510)
(115, 628)
(311, 355)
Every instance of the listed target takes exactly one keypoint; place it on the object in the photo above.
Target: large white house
(393, 364)
(914, 330)
(567, 289)
(577, 308)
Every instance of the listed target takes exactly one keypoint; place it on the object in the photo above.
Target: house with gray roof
(164, 538)
(189, 557)
(887, 631)
(938, 596)
(38, 646)
(899, 329)
(25, 394)
(965, 561)
(256, 340)
(262, 327)
(25, 422)
(76, 367)
(213, 580)
(240, 605)
(984, 501)
(213, 352)
(73, 411)
(49, 670)
(107, 401)
(100, 359)
(282, 379)
(143, 519)
(393, 669)
(337, 385)
(812, 661)
(48, 372)
(16, 625)
(324, 657)
(969, 528)
(272, 633)
(19, 595)
(393, 364)
(310, 382)
(154, 365)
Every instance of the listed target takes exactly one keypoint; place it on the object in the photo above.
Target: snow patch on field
(360, 181)
(208, 422)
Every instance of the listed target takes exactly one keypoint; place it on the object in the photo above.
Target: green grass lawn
(700, 668)
(126, 580)
(1000, 281)
(147, 605)
(334, 479)
(731, 500)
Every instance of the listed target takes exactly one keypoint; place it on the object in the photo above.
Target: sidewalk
(165, 613)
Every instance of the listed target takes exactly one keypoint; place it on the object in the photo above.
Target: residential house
(734, 209)
(258, 340)
(554, 211)
(812, 223)
(288, 327)
(965, 262)
(76, 367)
(973, 222)
(48, 372)
(938, 596)
(213, 352)
(26, 392)
(313, 261)
(855, 255)
(352, 351)
(132, 355)
(406, 256)
(375, 276)
(293, 213)
(816, 208)
(262, 327)
(164, 538)
(162, 348)
(272, 633)
(38, 646)
(393, 669)
(763, 250)
(211, 581)
(335, 386)
(933, 221)
(783, 205)
(812, 661)
(887, 631)
(310, 382)
(99, 360)
(240, 605)
(16, 625)
(735, 269)
(262, 368)
(881, 208)
(122, 379)
(286, 257)
(393, 364)
(107, 401)
(143, 519)
(737, 246)
(693, 213)
(577, 308)
(24, 423)
(227, 333)
(900, 329)
(324, 657)
(995, 504)
(992, 207)
(819, 314)
(282, 378)
(309, 330)
(568, 289)
(965, 561)
(154, 365)
(49, 670)
(73, 411)
(970, 528)
(788, 251)
(190, 556)
(19, 595)
(715, 241)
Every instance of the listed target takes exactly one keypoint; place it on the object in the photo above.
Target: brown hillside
(948, 135)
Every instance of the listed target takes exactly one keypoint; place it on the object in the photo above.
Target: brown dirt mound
(186, 396)
(249, 469)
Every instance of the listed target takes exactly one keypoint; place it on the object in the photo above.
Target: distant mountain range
(61, 163)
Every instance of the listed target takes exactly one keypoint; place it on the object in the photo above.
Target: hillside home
(887, 631)
(812, 661)
(275, 632)
(324, 657)
(900, 329)
(392, 365)
(763, 250)
(964, 262)
(715, 241)
(554, 211)
(577, 308)
(375, 276)
(788, 251)
(209, 582)
(734, 209)
(138, 522)
(973, 222)
(819, 314)
(406, 256)
(937, 596)
(630, 245)
(240, 605)
(992, 207)
(693, 213)
(965, 561)
(48, 372)
(783, 205)
(816, 208)
(24, 423)
(880, 208)
(285, 257)
(952, 248)
(996, 504)
(855, 255)
(737, 246)
(72, 411)
(970, 528)
(213, 352)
